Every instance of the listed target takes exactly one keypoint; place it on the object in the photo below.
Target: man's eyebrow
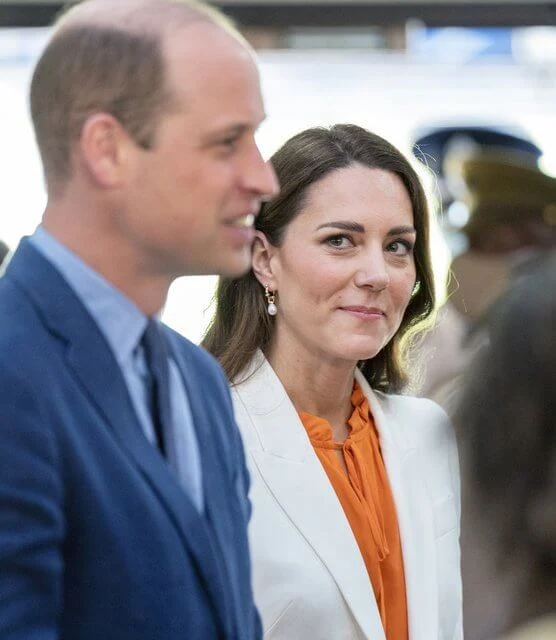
(230, 130)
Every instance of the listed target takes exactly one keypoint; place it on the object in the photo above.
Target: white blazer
(309, 578)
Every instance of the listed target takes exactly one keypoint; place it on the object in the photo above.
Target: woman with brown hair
(355, 489)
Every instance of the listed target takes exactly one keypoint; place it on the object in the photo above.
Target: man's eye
(229, 143)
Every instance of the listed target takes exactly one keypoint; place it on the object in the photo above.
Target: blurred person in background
(441, 149)
(506, 426)
(511, 221)
(123, 484)
(355, 529)
(4, 250)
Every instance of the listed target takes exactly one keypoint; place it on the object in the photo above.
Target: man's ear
(261, 260)
(104, 148)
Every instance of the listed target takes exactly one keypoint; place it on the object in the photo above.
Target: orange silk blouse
(366, 498)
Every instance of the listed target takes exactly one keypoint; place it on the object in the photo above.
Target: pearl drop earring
(271, 308)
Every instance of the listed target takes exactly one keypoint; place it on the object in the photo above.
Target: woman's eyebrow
(396, 231)
(355, 227)
(343, 225)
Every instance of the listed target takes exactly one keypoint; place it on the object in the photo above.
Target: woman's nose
(373, 273)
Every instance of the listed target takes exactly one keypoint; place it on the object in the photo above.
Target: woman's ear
(261, 259)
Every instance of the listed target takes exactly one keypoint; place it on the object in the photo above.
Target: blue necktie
(156, 356)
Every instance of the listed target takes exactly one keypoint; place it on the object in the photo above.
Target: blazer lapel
(295, 476)
(96, 369)
(415, 518)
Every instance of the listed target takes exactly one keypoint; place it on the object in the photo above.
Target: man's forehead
(215, 117)
(203, 40)
(220, 66)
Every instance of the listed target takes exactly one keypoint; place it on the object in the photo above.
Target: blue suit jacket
(97, 539)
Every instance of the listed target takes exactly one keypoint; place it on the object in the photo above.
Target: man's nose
(260, 177)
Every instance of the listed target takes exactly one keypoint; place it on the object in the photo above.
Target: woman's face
(345, 271)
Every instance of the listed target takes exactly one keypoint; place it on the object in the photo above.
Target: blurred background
(401, 69)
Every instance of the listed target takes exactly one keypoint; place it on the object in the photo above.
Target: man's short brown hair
(109, 62)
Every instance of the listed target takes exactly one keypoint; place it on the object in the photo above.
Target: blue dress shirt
(122, 323)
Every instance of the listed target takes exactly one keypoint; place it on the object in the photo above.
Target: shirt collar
(121, 322)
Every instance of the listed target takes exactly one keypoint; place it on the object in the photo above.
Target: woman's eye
(339, 242)
(400, 247)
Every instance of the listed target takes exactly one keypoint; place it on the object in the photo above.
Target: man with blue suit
(119, 519)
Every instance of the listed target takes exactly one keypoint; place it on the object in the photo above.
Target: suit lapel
(95, 368)
(415, 518)
(215, 483)
(294, 475)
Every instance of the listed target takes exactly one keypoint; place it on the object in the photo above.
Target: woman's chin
(354, 354)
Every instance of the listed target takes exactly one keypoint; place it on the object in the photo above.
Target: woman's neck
(314, 385)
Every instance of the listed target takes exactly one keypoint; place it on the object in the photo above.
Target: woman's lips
(365, 313)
